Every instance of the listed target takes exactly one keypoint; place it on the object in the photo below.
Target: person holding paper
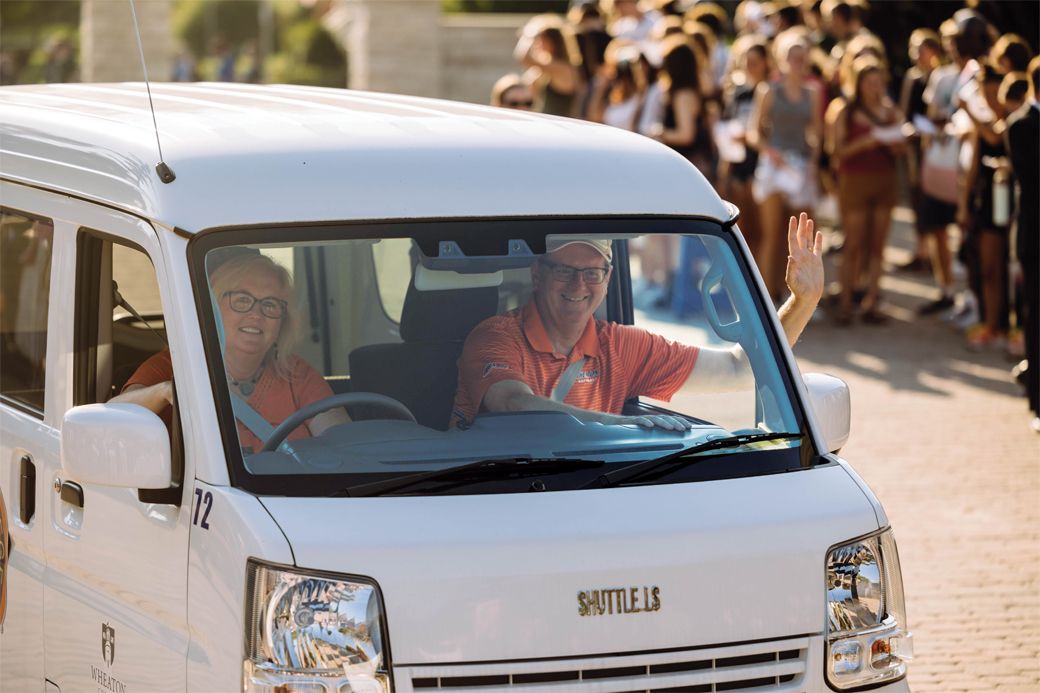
(867, 140)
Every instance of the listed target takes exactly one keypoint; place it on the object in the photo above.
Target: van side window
(25, 273)
(119, 325)
(117, 281)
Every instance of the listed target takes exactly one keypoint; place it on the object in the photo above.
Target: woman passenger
(257, 312)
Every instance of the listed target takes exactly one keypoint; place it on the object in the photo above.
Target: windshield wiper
(481, 469)
(682, 457)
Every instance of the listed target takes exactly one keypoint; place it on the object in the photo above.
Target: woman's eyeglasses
(566, 273)
(243, 302)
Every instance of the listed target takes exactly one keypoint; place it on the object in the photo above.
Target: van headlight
(868, 641)
(313, 632)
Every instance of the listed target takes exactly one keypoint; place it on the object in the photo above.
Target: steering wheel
(389, 405)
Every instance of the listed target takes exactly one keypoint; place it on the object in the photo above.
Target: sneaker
(936, 306)
(1020, 372)
(967, 317)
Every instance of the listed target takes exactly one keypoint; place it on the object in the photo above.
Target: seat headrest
(444, 316)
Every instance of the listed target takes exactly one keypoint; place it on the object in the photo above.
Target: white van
(400, 550)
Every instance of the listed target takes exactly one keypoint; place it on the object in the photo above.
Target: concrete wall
(393, 46)
(475, 50)
(108, 45)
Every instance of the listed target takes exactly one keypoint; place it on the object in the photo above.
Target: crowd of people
(786, 106)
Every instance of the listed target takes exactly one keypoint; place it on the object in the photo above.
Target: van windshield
(491, 357)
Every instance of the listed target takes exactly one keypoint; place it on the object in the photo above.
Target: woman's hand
(804, 275)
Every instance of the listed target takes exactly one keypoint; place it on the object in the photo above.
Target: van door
(116, 583)
(28, 440)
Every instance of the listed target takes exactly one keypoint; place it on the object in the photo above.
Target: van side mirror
(830, 401)
(122, 445)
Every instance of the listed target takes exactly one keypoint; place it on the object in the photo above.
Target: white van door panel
(115, 583)
(26, 432)
(21, 641)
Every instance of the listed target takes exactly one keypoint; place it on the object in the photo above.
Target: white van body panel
(379, 156)
(499, 575)
(21, 663)
(238, 527)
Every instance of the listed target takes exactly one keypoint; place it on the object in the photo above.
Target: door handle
(27, 497)
(70, 492)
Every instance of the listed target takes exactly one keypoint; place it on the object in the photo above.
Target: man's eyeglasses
(243, 302)
(566, 273)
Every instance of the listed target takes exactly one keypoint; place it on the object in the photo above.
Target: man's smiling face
(566, 306)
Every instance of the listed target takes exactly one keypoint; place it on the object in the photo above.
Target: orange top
(274, 398)
(623, 362)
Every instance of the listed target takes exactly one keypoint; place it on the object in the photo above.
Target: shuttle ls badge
(619, 600)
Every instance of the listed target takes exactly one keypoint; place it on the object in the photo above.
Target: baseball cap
(600, 246)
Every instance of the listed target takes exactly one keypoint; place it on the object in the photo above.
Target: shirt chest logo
(589, 375)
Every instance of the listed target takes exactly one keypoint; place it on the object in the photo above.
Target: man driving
(552, 355)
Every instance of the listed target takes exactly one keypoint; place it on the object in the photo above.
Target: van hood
(507, 576)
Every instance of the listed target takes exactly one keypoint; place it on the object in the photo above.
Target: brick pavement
(941, 436)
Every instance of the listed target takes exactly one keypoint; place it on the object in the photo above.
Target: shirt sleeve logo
(493, 366)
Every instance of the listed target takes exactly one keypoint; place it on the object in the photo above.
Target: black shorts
(936, 215)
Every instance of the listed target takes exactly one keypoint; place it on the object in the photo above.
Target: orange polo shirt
(623, 362)
(274, 397)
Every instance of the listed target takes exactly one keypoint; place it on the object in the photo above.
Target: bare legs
(993, 268)
(877, 236)
(942, 259)
(750, 224)
(853, 253)
(771, 258)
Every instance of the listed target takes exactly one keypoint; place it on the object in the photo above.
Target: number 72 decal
(202, 498)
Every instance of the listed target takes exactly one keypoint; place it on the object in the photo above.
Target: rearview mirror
(830, 401)
(122, 445)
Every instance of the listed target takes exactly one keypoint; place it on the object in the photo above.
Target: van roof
(252, 154)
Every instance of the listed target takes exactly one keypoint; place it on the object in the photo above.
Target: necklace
(246, 387)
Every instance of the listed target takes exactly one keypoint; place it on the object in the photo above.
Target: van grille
(771, 666)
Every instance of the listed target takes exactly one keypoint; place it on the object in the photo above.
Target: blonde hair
(786, 41)
(228, 276)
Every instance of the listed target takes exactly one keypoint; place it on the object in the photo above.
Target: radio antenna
(166, 174)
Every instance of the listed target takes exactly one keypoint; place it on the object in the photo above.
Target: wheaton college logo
(102, 678)
(108, 643)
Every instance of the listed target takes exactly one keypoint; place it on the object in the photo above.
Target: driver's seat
(421, 371)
